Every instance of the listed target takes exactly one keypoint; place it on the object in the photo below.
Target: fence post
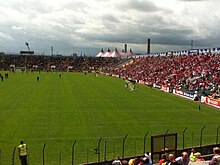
(13, 156)
(123, 146)
(135, 146)
(98, 149)
(113, 155)
(87, 155)
(73, 149)
(201, 135)
(145, 142)
(43, 153)
(0, 156)
(105, 150)
(217, 135)
(60, 158)
(184, 137)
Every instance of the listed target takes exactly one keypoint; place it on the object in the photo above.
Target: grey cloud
(76, 6)
(111, 18)
(140, 5)
(158, 36)
(193, 0)
(172, 36)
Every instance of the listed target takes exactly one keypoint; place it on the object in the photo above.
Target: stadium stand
(55, 63)
(191, 73)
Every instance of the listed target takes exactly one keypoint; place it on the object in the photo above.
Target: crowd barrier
(206, 151)
(188, 95)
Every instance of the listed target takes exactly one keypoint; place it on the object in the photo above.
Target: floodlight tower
(148, 46)
(26, 43)
(192, 44)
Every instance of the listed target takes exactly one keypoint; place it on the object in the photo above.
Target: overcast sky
(88, 25)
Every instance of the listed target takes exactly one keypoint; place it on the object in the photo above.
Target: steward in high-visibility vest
(192, 157)
(22, 150)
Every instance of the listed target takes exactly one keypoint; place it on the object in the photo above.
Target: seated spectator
(163, 159)
(183, 160)
(133, 161)
(171, 160)
(198, 157)
(124, 162)
(216, 158)
(116, 161)
(141, 162)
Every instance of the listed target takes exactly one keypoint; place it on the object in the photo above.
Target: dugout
(163, 144)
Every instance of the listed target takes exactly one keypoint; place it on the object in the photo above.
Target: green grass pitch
(57, 111)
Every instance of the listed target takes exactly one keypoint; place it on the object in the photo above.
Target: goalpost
(20, 69)
(129, 85)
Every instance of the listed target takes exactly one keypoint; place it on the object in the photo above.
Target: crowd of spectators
(55, 63)
(144, 160)
(190, 73)
(170, 159)
(198, 73)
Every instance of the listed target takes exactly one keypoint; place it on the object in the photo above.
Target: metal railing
(109, 148)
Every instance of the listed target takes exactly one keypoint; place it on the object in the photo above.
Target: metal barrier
(106, 149)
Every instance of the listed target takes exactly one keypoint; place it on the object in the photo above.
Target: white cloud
(16, 27)
(5, 37)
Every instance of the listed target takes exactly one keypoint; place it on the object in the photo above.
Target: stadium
(90, 110)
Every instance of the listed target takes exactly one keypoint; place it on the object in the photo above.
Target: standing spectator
(148, 157)
(184, 159)
(216, 158)
(146, 161)
(22, 150)
(2, 78)
(193, 151)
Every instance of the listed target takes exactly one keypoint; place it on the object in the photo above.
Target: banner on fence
(142, 82)
(165, 88)
(156, 86)
(184, 94)
(210, 101)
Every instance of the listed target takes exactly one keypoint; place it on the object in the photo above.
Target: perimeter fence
(104, 149)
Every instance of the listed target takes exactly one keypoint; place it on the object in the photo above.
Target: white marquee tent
(115, 53)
